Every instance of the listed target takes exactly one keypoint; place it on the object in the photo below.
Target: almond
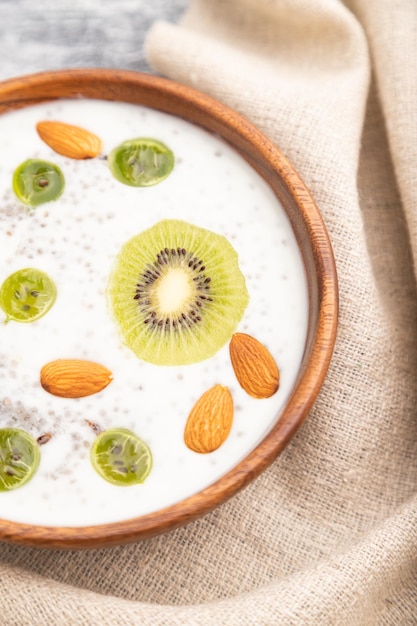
(74, 378)
(70, 141)
(254, 366)
(210, 420)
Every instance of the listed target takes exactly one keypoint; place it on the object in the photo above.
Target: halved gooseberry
(26, 295)
(121, 457)
(19, 458)
(141, 162)
(36, 182)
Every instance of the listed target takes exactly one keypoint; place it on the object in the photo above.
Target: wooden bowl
(310, 232)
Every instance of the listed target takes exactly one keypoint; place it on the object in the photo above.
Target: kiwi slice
(177, 293)
(121, 457)
(19, 458)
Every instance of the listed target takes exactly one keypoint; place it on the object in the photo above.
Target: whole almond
(210, 420)
(70, 141)
(74, 378)
(254, 366)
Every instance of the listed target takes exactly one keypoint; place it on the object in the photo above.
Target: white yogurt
(75, 240)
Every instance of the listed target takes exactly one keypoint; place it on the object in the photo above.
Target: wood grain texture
(88, 33)
(265, 157)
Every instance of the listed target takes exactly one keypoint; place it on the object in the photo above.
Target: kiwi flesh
(176, 293)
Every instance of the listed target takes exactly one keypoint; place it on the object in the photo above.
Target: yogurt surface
(76, 239)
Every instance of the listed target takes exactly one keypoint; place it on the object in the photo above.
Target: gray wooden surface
(54, 34)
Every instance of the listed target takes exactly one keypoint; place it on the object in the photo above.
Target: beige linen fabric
(328, 534)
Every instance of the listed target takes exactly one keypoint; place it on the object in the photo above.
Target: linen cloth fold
(328, 534)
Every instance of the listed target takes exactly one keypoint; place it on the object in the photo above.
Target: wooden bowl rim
(201, 109)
